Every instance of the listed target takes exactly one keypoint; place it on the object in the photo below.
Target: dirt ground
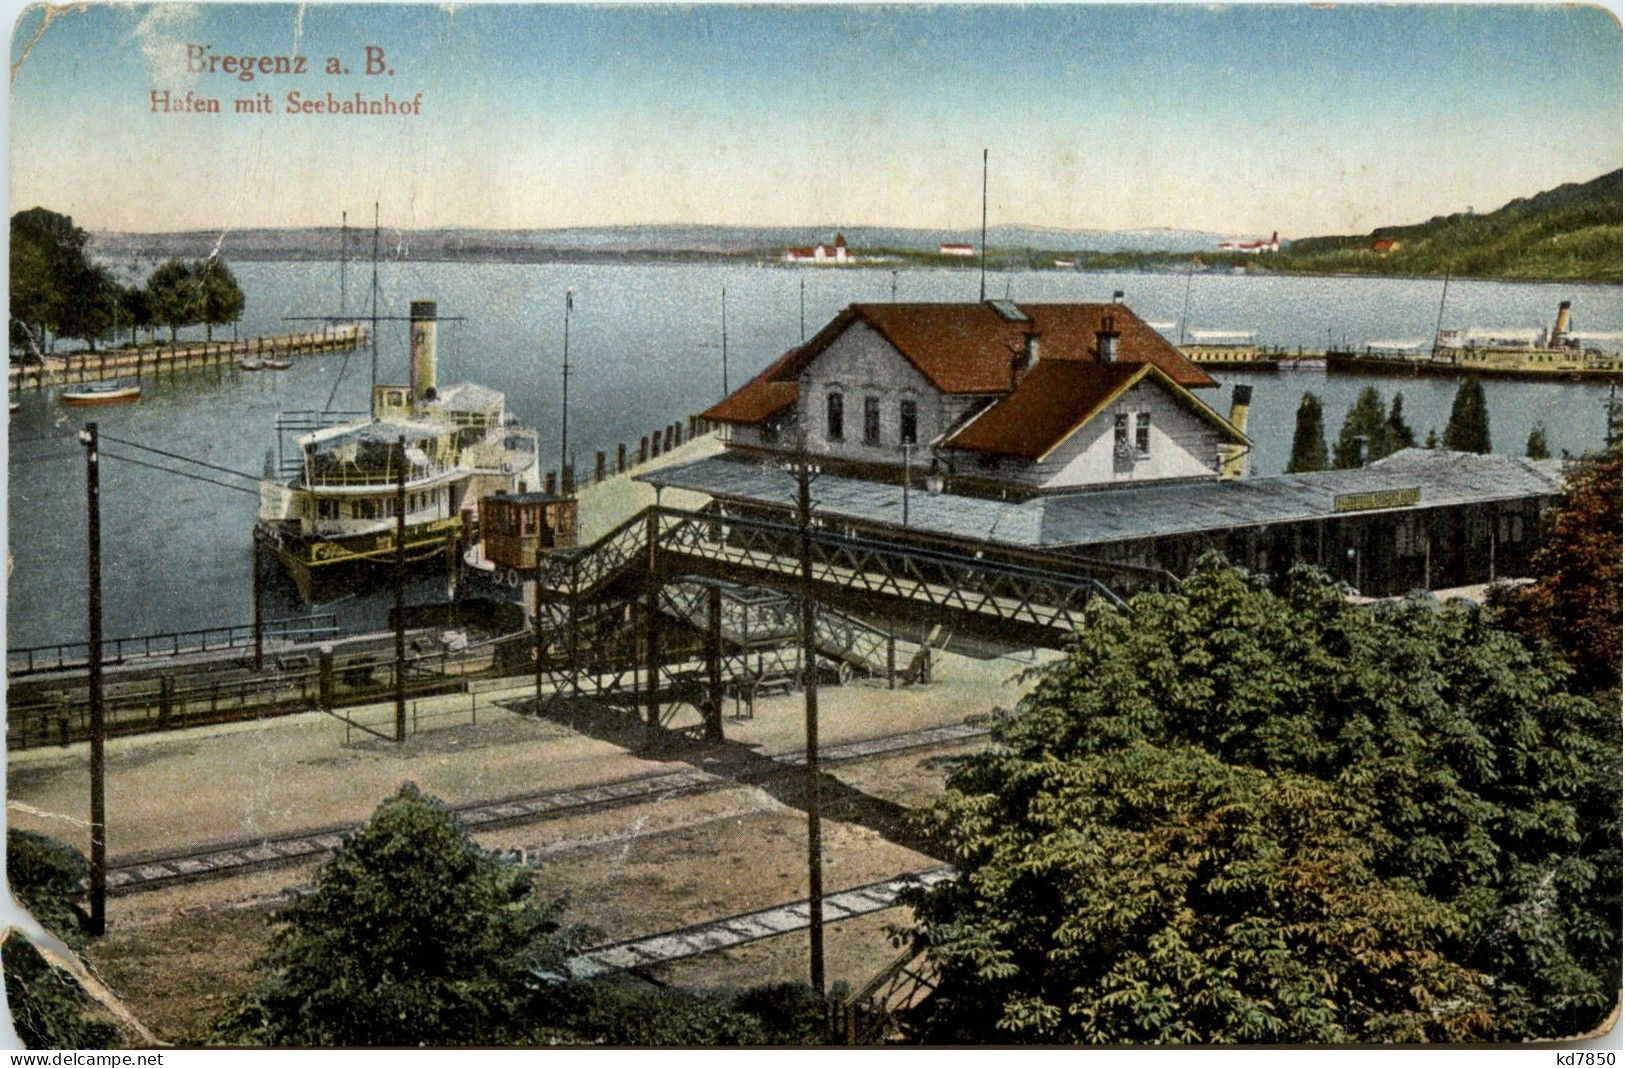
(189, 789)
(180, 956)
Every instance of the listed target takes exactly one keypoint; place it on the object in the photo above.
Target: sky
(1242, 120)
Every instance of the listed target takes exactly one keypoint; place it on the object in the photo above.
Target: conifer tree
(1400, 434)
(1537, 448)
(1469, 427)
(1309, 438)
(1366, 419)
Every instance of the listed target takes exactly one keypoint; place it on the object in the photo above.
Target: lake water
(645, 350)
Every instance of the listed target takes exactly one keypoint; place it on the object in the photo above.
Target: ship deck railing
(383, 479)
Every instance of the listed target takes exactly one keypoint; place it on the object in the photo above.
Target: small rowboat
(103, 393)
(275, 365)
(250, 365)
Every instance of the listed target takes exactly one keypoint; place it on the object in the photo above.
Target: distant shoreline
(1000, 260)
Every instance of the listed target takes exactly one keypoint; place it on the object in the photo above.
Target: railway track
(138, 873)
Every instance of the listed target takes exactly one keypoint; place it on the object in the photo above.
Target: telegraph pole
(724, 341)
(98, 768)
(803, 309)
(400, 593)
(259, 615)
(809, 667)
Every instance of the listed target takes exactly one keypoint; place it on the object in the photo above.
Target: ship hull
(323, 567)
(1356, 363)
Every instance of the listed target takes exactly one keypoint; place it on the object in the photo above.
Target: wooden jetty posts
(650, 447)
(146, 360)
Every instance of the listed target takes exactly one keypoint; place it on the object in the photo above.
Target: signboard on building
(1366, 502)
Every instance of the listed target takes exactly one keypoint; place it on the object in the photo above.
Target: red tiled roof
(762, 396)
(1054, 398)
(1057, 398)
(968, 349)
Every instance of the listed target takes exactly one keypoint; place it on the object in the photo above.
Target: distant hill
(625, 242)
(1568, 233)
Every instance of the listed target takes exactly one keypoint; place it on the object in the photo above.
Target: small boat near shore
(275, 365)
(250, 365)
(103, 393)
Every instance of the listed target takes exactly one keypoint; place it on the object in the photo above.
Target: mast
(1439, 324)
(374, 338)
(344, 258)
(724, 341)
(983, 292)
(564, 421)
(1185, 315)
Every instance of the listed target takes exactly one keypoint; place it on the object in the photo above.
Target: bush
(47, 1006)
(413, 935)
(47, 876)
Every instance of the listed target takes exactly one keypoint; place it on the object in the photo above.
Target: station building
(1046, 431)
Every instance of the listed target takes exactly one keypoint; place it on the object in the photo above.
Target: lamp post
(908, 452)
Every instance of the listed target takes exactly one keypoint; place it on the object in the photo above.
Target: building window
(908, 422)
(1120, 433)
(836, 412)
(871, 420)
(1142, 433)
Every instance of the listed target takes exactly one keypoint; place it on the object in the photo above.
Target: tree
(1537, 449)
(412, 935)
(137, 310)
(1237, 813)
(172, 293)
(1575, 602)
(1433, 439)
(48, 268)
(90, 302)
(1365, 419)
(1400, 435)
(222, 297)
(1308, 438)
(1469, 427)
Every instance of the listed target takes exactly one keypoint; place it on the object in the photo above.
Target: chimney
(1117, 296)
(1241, 398)
(1359, 450)
(1025, 360)
(1561, 327)
(1106, 341)
(423, 328)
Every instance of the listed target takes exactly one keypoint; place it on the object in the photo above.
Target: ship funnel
(423, 329)
(1241, 398)
(1561, 327)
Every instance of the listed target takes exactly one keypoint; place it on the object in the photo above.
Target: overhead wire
(182, 474)
(178, 456)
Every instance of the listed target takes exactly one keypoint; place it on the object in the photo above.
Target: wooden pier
(148, 360)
